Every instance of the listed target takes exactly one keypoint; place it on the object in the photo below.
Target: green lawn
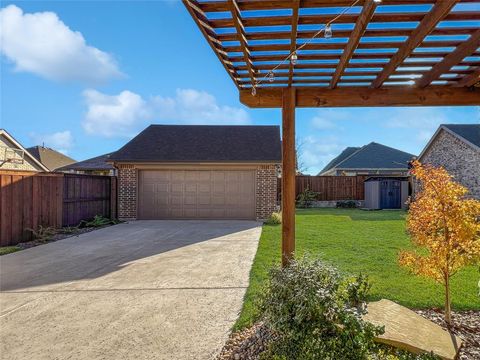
(4, 250)
(357, 241)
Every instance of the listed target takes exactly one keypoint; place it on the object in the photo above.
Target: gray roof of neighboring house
(203, 143)
(343, 155)
(470, 132)
(52, 159)
(373, 156)
(95, 163)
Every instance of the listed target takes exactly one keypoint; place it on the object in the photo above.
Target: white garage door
(196, 194)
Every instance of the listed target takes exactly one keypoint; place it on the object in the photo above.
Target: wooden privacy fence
(29, 200)
(330, 188)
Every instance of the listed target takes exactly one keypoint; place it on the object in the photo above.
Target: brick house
(13, 156)
(457, 149)
(199, 172)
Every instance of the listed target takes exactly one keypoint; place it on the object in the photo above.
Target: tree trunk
(448, 310)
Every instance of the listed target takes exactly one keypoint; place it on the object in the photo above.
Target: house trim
(434, 137)
(17, 144)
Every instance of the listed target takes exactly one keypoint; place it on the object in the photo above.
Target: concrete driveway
(139, 290)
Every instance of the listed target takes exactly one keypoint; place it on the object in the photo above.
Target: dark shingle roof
(471, 133)
(52, 159)
(343, 155)
(197, 143)
(96, 163)
(375, 156)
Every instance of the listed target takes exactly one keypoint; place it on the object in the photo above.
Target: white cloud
(423, 121)
(126, 113)
(197, 107)
(316, 152)
(42, 44)
(114, 115)
(61, 141)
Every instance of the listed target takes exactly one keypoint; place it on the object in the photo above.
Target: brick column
(266, 191)
(127, 192)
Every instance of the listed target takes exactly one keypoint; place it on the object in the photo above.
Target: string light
(328, 31)
(271, 76)
(292, 57)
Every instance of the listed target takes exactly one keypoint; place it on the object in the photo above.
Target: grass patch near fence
(4, 250)
(357, 241)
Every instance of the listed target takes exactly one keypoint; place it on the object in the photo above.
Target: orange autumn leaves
(446, 224)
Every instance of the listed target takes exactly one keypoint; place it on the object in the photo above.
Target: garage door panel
(202, 194)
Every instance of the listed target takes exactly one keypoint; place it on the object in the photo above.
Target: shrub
(306, 198)
(316, 313)
(43, 233)
(274, 219)
(98, 221)
(347, 204)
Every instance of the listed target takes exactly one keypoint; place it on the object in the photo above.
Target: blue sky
(86, 76)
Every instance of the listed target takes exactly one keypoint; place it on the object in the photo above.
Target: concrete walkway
(141, 290)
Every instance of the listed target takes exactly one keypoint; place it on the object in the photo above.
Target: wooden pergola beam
(440, 10)
(360, 26)
(466, 49)
(237, 20)
(469, 80)
(293, 36)
(193, 8)
(365, 97)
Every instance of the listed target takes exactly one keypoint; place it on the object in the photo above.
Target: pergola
(382, 53)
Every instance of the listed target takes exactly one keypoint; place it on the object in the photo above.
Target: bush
(347, 204)
(43, 233)
(316, 313)
(274, 219)
(306, 198)
(98, 221)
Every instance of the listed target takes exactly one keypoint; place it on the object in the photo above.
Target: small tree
(446, 223)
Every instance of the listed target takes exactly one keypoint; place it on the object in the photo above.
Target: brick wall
(127, 192)
(266, 192)
(461, 160)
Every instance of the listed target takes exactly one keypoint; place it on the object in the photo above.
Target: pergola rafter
(357, 33)
(440, 10)
(237, 20)
(293, 37)
(424, 54)
(467, 48)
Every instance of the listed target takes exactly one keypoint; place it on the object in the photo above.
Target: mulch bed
(249, 343)
(59, 236)
(466, 326)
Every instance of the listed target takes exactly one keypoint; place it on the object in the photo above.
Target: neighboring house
(99, 165)
(457, 149)
(199, 172)
(50, 158)
(13, 156)
(371, 159)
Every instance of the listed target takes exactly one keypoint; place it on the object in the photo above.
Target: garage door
(196, 194)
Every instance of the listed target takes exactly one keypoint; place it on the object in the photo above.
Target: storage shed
(386, 192)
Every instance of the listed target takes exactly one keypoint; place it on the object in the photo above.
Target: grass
(357, 241)
(4, 250)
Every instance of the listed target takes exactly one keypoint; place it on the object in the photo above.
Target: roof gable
(95, 163)
(468, 132)
(343, 155)
(376, 156)
(52, 159)
(13, 141)
(203, 143)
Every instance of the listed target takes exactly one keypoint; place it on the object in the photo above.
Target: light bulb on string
(254, 91)
(328, 31)
(271, 77)
(294, 58)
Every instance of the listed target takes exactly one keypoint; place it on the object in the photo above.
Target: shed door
(196, 194)
(390, 194)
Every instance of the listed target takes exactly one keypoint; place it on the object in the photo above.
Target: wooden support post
(288, 174)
